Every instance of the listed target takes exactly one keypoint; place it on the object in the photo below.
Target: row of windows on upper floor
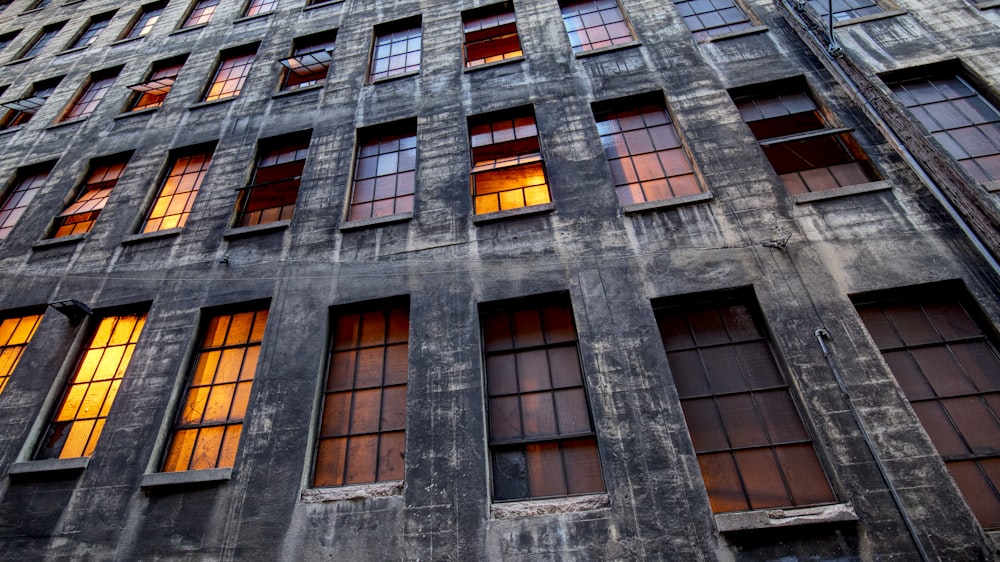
(752, 444)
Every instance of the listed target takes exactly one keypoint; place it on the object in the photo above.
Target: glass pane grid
(18, 200)
(80, 215)
(272, 195)
(259, 7)
(396, 52)
(90, 34)
(89, 99)
(145, 22)
(384, 174)
(706, 18)
(593, 24)
(230, 76)
(202, 13)
(490, 36)
(177, 194)
(15, 333)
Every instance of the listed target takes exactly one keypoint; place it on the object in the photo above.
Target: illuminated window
(207, 431)
(21, 111)
(844, 9)
(752, 447)
(397, 49)
(965, 123)
(15, 333)
(593, 24)
(803, 148)
(90, 97)
(36, 45)
(26, 186)
(231, 73)
(644, 150)
(507, 169)
(6, 38)
(542, 441)
(275, 183)
(948, 366)
(310, 61)
(256, 7)
(384, 171)
(201, 13)
(94, 28)
(76, 424)
(145, 20)
(80, 215)
(491, 35)
(154, 90)
(362, 436)
(178, 191)
(706, 18)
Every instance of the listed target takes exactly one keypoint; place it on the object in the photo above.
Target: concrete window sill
(11, 130)
(841, 192)
(318, 5)
(48, 466)
(146, 111)
(782, 518)
(144, 236)
(187, 29)
(636, 208)
(244, 231)
(292, 92)
(741, 33)
(18, 61)
(529, 508)
(61, 241)
(71, 51)
(394, 77)
(375, 221)
(498, 63)
(602, 50)
(65, 123)
(357, 492)
(870, 17)
(514, 213)
(188, 477)
(992, 186)
(127, 40)
(254, 17)
(202, 104)
(988, 5)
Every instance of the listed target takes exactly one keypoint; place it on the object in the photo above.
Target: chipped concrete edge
(548, 507)
(361, 491)
(779, 518)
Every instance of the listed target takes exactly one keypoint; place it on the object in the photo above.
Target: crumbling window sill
(375, 221)
(741, 33)
(242, 231)
(825, 194)
(637, 208)
(356, 492)
(48, 466)
(530, 508)
(870, 17)
(513, 213)
(61, 241)
(781, 518)
(156, 235)
(992, 186)
(164, 479)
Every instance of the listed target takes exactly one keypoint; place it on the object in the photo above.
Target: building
(499, 280)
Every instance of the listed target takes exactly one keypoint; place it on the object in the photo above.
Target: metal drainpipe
(821, 334)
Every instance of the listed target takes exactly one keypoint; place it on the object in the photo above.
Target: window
(15, 333)
(36, 45)
(507, 169)
(593, 24)
(76, 425)
(89, 34)
(384, 171)
(844, 9)
(207, 431)
(362, 435)
(231, 73)
(173, 203)
(706, 18)
(803, 148)
(275, 183)
(491, 35)
(644, 150)
(90, 96)
(201, 13)
(38, 5)
(397, 49)
(80, 215)
(145, 20)
(316, 2)
(965, 123)
(257, 7)
(752, 446)
(21, 111)
(27, 184)
(948, 366)
(310, 61)
(542, 441)
(154, 90)
(6, 38)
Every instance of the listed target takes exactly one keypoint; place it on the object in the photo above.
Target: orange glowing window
(90, 96)
(80, 215)
(491, 35)
(15, 333)
(180, 187)
(231, 73)
(207, 431)
(76, 425)
(310, 61)
(385, 171)
(507, 169)
(154, 90)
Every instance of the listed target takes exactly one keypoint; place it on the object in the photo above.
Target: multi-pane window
(309, 63)
(234, 66)
(965, 123)
(844, 9)
(507, 168)
(803, 148)
(207, 431)
(255, 7)
(706, 18)
(178, 191)
(275, 183)
(644, 150)
(384, 171)
(76, 425)
(145, 20)
(201, 13)
(80, 215)
(362, 435)
(542, 441)
(594, 24)
(43, 38)
(21, 111)
(25, 188)
(94, 28)
(90, 96)
(154, 90)
(948, 366)
(15, 333)
(397, 49)
(752, 447)
(491, 35)
(38, 5)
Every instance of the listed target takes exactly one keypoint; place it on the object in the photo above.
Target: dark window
(21, 111)
(593, 24)
(491, 35)
(90, 96)
(362, 434)
(310, 61)
(752, 446)
(397, 49)
(234, 66)
(38, 5)
(15, 333)
(507, 168)
(177, 193)
(255, 7)
(384, 171)
(844, 9)
(80, 215)
(36, 45)
(94, 28)
(949, 369)
(154, 90)
(706, 18)
(6, 38)
(201, 13)
(26, 186)
(145, 20)
(316, 2)
(644, 150)
(542, 441)
(275, 183)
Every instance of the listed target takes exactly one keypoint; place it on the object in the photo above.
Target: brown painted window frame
(156, 85)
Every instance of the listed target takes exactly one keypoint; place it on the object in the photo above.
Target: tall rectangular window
(7, 38)
(256, 7)
(397, 49)
(76, 425)
(644, 150)
(15, 333)
(491, 35)
(752, 446)
(35, 46)
(89, 34)
(151, 93)
(948, 366)
(594, 24)
(207, 431)
(507, 168)
(274, 187)
(362, 435)
(542, 441)
(384, 171)
(87, 99)
(310, 61)
(844, 9)
(804, 149)
(177, 193)
(80, 215)
(21, 111)
(38, 5)
(27, 184)
(706, 18)
(144, 21)
(231, 73)
(958, 116)
(201, 13)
